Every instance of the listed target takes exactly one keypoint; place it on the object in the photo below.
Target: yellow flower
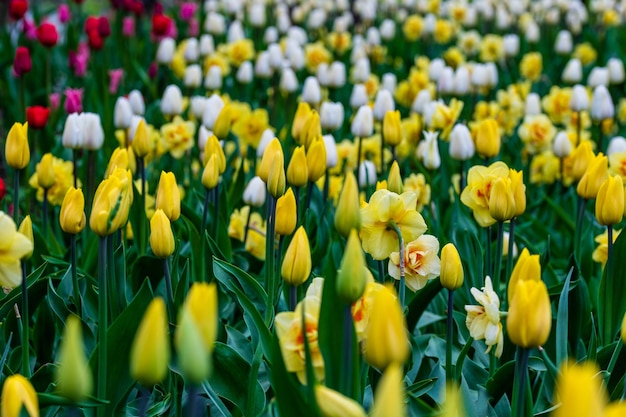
(297, 172)
(453, 405)
(213, 147)
(451, 272)
(150, 351)
(556, 104)
(526, 268)
(421, 262)
(348, 213)
(299, 120)
(26, 229)
(291, 337)
(617, 164)
(577, 162)
(316, 159)
(111, 203)
(477, 194)
(72, 215)
(389, 399)
(141, 141)
(417, 184)
(445, 117)
(454, 57)
(580, 391)
(469, 42)
(16, 150)
(239, 51)
(297, 263)
(537, 133)
(483, 321)
(168, 195)
(311, 130)
(443, 31)
(211, 173)
(352, 275)
(601, 253)
(339, 42)
(13, 247)
(74, 375)
(610, 201)
(119, 159)
(585, 53)
(217, 59)
(530, 316)
(501, 200)
(316, 54)
(385, 208)
(63, 180)
(486, 135)
(161, 236)
(201, 303)
(334, 404)
(362, 308)
(491, 49)
(286, 213)
(276, 177)
(394, 180)
(18, 393)
(616, 409)
(177, 137)
(250, 128)
(544, 168)
(531, 66)
(594, 176)
(392, 128)
(412, 28)
(45, 172)
(193, 360)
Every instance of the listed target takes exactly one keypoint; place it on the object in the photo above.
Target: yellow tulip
(594, 176)
(161, 235)
(17, 151)
(14, 247)
(297, 263)
(193, 359)
(75, 381)
(580, 391)
(451, 274)
(72, 215)
(617, 409)
(352, 275)
(526, 268)
(302, 113)
(519, 191)
(168, 196)
(111, 203)
(389, 398)
(316, 159)
(487, 138)
(213, 147)
(334, 404)
(18, 393)
(610, 201)
(386, 340)
(276, 178)
(394, 180)
(211, 173)
(581, 157)
(45, 172)
(150, 351)
(312, 130)
(26, 228)
(297, 171)
(530, 315)
(348, 212)
(223, 122)
(201, 302)
(453, 405)
(623, 330)
(286, 216)
(119, 159)
(501, 201)
(392, 128)
(264, 168)
(141, 141)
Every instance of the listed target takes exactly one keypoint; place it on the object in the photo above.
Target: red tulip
(91, 23)
(22, 62)
(3, 189)
(160, 25)
(37, 116)
(104, 28)
(17, 9)
(95, 40)
(47, 35)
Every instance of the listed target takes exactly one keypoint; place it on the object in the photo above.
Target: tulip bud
(288, 81)
(123, 113)
(22, 63)
(211, 173)
(573, 71)
(461, 144)
(168, 196)
(348, 213)
(582, 156)
(564, 43)
(74, 375)
(212, 108)
(299, 119)
(172, 101)
(254, 194)
(193, 76)
(18, 393)
(367, 174)
(352, 275)
(530, 316)
(579, 100)
(610, 201)
(602, 106)
(519, 191)
(111, 203)
(316, 160)
(193, 359)
(430, 151)
(72, 216)
(165, 51)
(311, 130)
(267, 136)
(580, 390)
(382, 104)
(45, 173)
(17, 151)
(161, 236)
(363, 122)
(223, 122)
(213, 147)
(331, 115)
(394, 180)
(392, 128)
(331, 151)
(202, 303)
(358, 97)
(92, 131)
(533, 104)
(26, 228)
(562, 146)
(333, 404)
(150, 351)
(136, 102)
(141, 143)
(487, 138)
(263, 170)
(594, 176)
(276, 178)
(296, 266)
(311, 92)
(527, 267)
(616, 145)
(616, 70)
(451, 274)
(501, 202)
(286, 214)
(245, 73)
(119, 159)
(386, 340)
(297, 171)
(389, 399)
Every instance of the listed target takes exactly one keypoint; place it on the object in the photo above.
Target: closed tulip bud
(150, 351)
(194, 362)
(202, 303)
(461, 144)
(296, 266)
(267, 136)
(119, 160)
(161, 236)
(331, 151)
(358, 97)
(254, 194)
(573, 71)
(172, 101)
(72, 216)
(311, 130)
(392, 128)
(333, 404)
(602, 106)
(352, 275)
(123, 113)
(579, 100)
(519, 191)
(75, 381)
(263, 170)
(598, 76)
(26, 228)
(165, 51)
(533, 104)
(616, 70)
(73, 136)
(213, 147)
(168, 196)
(389, 399)
(137, 104)
(394, 180)
(213, 79)
(564, 43)
(297, 171)
(383, 104)
(212, 108)
(331, 115)
(562, 146)
(311, 92)
(316, 160)
(211, 173)
(276, 180)
(363, 122)
(386, 340)
(245, 73)
(18, 394)
(348, 212)
(430, 150)
(286, 214)
(596, 173)
(580, 390)
(111, 203)
(530, 316)
(45, 173)
(451, 274)
(582, 156)
(141, 142)
(610, 201)
(193, 76)
(487, 138)
(501, 201)
(288, 81)
(527, 267)
(17, 151)
(367, 174)
(616, 145)
(223, 122)
(93, 132)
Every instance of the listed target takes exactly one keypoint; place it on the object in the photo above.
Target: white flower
(172, 101)
(562, 146)
(602, 106)
(123, 113)
(383, 103)
(254, 194)
(288, 81)
(337, 74)
(430, 151)
(616, 70)
(192, 50)
(363, 122)
(616, 145)
(533, 104)
(331, 150)
(212, 108)
(564, 43)
(193, 76)
(311, 92)
(573, 71)
(136, 102)
(165, 51)
(245, 73)
(421, 262)
(579, 99)
(358, 97)
(461, 143)
(483, 321)
(367, 174)
(331, 115)
(213, 79)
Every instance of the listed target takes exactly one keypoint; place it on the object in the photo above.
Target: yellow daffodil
(421, 262)
(13, 247)
(62, 180)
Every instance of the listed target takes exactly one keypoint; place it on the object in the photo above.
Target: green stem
(216, 205)
(579, 225)
(25, 324)
(269, 258)
(75, 165)
(23, 96)
(77, 299)
(168, 289)
(142, 201)
(245, 231)
(498, 265)
(449, 338)
(45, 213)
(346, 374)
(518, 406)
(402, 289)
(509, 257)
(102, 323)
(16, 196)
(205, 210)
(293, 297)
(488, 266)
(381, 271)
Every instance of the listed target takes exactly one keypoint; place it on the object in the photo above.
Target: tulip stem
(142, 200)
(346, 374)
(293, 297)
(381, 271)
(498, 265)
(245, 231)
(16, 196)
(449, 337)
(579, 225)
(518, 405)
(326, 185)
(309, 192)
(402, 289)
(205, 212)
(609, 259)
(168, 289)
(191, 408)
(45, 213)
(102, 322)
(77, 300)
(216, 206)
(269, 258)
(488, 266)
(25, 324)
(75, 165)
(358, 157)
(23, 96)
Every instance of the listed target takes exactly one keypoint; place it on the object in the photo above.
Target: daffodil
(483, 321)
(13, 247)
(177, 136)
(421, 262)
(61, 181)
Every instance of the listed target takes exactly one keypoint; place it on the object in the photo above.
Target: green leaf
(562, 321)
(422, 387)
(612, 305)
(420, 302)
(47, 399)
